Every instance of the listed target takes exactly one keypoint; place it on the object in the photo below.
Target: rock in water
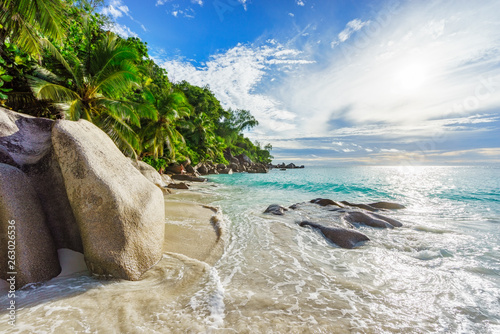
(120, 213)
(393, 222)
(387, 205)
(361, 206)
(366, 219)
(35, 252)
(276, 209)
(340, 236)
(325, 202)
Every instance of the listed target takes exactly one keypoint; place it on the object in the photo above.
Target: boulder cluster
(237, 164)
(341, 230)
(285, 166)
(65, 184)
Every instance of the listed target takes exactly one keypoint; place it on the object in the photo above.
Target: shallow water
(439, 273)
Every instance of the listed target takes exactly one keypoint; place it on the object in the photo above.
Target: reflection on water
(440, 272)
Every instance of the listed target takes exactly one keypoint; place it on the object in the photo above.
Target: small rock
(361, 206)
(366, 219)
(340, 236)
(180, 185)
(276, 209)
(186, 177)
(325, 202)
(387, 205)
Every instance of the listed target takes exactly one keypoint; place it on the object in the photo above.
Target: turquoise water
(440, 272)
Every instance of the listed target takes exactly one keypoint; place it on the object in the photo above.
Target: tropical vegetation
(57, 60)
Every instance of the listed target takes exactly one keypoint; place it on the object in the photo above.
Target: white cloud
(291, 14)
(121, 30)
(421, 63)
(161, 2)
(198, 2)
(300, 2)
(234, 76)
(351, 27)
(116, 9)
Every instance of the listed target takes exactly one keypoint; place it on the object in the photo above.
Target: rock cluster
(351, 215)
(237, 164)
(285, 166)
(66, 185)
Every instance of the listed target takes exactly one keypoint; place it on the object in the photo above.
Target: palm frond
(51, 91)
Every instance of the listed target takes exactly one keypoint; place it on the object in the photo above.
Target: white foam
(211, 298)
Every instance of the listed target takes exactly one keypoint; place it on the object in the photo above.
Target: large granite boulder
(149, 173)
(244, 159)
(119, 212)
(25, 142)
(22, 224)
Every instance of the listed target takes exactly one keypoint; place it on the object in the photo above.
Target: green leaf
(6, 90)
(18, 60)
(3, 96)
(6, 78)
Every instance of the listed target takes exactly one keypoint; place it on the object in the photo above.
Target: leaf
(18, 60)
(6, 78)
(6, 90)
(3, 96)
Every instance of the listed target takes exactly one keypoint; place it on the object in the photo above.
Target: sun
(410, 77)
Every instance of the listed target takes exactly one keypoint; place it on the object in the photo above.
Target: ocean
(439, 273)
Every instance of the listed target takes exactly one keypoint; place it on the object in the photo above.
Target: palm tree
(172, 106)
(20, 21)
(93, 89)
(200, 133)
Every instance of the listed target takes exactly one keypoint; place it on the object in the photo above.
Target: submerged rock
(340, 236)
(121, 219)
(393, 222)
(361, 206)
(366, 219)
(276, 209)
(387, 205)
(325, 202)
(35, 258)
(186, 177)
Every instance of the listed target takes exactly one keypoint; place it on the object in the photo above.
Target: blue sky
(339, 82)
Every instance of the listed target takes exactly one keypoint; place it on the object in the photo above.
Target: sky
(339, 82)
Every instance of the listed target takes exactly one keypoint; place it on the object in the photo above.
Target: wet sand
(77, 302)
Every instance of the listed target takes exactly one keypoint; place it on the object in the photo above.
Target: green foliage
(23, 21)
(157, 164)
(93, 88)
(57, 60)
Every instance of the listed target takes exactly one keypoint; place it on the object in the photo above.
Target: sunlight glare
(410, 77)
